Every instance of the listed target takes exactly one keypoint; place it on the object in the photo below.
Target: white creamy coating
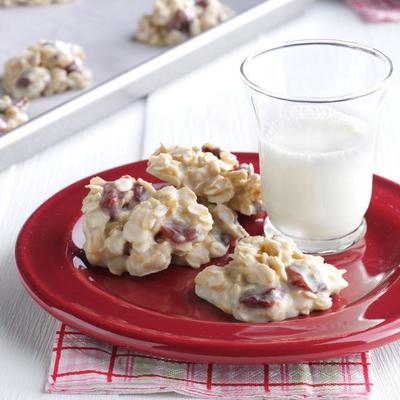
(316, 168)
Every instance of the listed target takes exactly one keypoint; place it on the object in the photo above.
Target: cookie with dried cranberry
(174, 21)
(131, 226)
(269, 279)
(106, 209)
(171, 218)
(214, 174)
(12, 114)
(47, 67)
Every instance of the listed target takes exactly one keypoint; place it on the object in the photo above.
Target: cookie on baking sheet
(47, 67)
(174, 21)
(12, 114)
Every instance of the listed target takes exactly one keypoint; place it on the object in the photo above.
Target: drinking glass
(317, 106)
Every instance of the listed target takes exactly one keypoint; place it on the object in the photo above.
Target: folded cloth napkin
(377, 10)
(81, 364)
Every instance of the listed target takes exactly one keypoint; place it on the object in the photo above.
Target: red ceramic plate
(160, 314)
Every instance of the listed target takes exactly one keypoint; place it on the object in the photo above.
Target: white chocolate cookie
(48, 67)
(131, 226)
(12, 113)
(174, 21)
(269, 279)
(212, 173)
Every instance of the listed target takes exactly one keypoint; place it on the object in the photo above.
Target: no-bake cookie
(48, 67)
(131, 226)
(174, 21)
(269, 279)
(212, 173)
(12, 113)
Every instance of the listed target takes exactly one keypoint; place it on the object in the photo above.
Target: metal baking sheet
(123, 69)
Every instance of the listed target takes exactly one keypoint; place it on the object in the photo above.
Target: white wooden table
(207, 105)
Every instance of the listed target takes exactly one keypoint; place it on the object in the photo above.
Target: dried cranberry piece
(22, 82)
(203, 3)
(110, 199)
(73, 67)
(181, 21)
(261, 215)
(225, 238)
(139, 193)
(296, 279)
(265, 299)
(178, 234)
(22, 103)
(213, 150)
(243, 166)
(159, 237)
(127, 248)
(190, 234)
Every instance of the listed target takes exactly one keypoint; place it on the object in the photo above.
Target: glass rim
(330, 42)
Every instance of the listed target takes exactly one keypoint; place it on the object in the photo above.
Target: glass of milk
(317, 106)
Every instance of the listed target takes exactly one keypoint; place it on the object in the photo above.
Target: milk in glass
(316, 169)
